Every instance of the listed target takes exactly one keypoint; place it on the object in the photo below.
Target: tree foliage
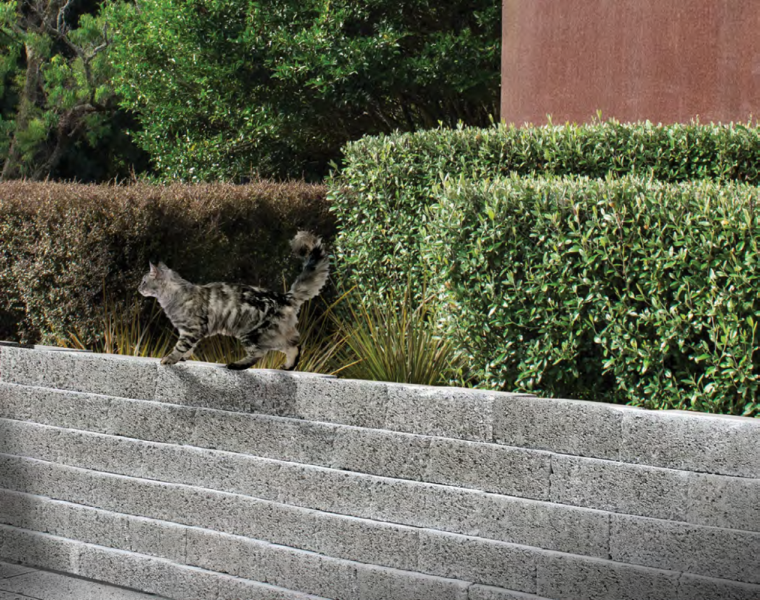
(229, 88)
(58, 112)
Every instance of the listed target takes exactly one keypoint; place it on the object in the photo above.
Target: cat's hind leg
(292, 355)
(253, 353)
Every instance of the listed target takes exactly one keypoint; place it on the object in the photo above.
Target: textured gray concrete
(418, 504)
(155, 576)
(565, 426)
(362, 404)
(710, 551)
(482, 592)
(195, 482)
(568, 577)
(113, 375)
(44, 585)
(487, 467)
(724, 501)
(354, 539)
(692, 442)
(447, 412)
(694, 587)
(620, 487)
(207, 385)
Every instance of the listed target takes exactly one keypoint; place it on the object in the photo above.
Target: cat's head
(155, 280)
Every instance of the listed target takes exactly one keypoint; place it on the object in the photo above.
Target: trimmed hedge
(63, 245)
(622, 290)
(387, 181)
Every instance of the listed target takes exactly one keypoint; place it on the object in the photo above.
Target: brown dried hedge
(63, 245)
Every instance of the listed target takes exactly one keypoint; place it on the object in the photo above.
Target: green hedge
(63, 246)
(380, 194)
(623, 290)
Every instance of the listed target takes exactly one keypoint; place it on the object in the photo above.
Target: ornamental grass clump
(396, 339)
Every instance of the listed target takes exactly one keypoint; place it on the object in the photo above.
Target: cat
(261, 319)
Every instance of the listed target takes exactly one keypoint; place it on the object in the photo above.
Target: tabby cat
(262, 320)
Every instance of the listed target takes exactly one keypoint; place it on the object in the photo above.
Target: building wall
(662, 60)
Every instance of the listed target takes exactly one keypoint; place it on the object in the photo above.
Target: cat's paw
(169, 360)
(236, 366)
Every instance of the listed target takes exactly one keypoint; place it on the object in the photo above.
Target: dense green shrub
(623, 290)
(387, 181)
(64, 246)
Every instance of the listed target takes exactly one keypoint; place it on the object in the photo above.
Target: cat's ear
(163, 268)
(153, 268)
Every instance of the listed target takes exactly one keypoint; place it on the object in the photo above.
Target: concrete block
(75, 410)
(382, 584)
(692, 442)
(490, 467)
(484, 592)
(212, 386)
(379, 452)
(299, 570)
(569, 577)
(82, 523)
(27, 475)
(544, 525)
(234, 588)
(619, 487)
(18, 510)
(14, 401)
(427, 505)
(236, 473)
(565, 426)
(265, 436)
(694, 587)
(438, 411)
(155, 538)
(37, 550)
(361, 540)
(50, 586)
(709, 551)
(333, 491)
(724, 502)
(107, 374)
(344, 401)
(11, 596)
(184, 582)
(147, 574)
(474, 559)
(217, 551)
(20, 438)
(10, 570)
(150, 421)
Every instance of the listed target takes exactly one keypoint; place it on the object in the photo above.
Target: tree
(56, 95)
(230, 88)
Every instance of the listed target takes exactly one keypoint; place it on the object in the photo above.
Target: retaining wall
(196, 482)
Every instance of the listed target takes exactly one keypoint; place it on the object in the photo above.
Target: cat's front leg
(184, 346)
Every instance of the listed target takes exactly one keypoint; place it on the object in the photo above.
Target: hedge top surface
(387, 181)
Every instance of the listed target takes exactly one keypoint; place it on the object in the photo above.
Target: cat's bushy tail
(316, 266)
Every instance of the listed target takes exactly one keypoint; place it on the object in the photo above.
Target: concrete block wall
(193, 482)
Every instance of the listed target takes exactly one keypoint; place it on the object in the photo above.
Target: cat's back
(222, 295)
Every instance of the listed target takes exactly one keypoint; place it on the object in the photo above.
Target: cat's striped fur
(261, 319)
